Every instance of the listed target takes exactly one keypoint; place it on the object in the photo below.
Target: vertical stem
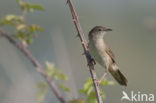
(96, 86)
(85, 48)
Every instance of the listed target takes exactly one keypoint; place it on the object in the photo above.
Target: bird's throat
(99, 43)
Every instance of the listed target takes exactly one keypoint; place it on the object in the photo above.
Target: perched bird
(101, 53)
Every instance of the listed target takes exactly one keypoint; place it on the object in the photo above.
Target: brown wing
(110, 53)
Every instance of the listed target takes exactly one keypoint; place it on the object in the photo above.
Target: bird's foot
(91, 61)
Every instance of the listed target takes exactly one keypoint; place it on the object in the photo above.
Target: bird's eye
(99, 29)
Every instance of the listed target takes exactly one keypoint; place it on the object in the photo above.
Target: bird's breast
(97, 50)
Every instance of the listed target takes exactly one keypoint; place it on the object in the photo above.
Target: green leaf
(89, 92)
(24, 37)
(36, 7)
(64, 88)
(62, 76)
(42, 87)
(29, 7)
(91, 98)
(87, 87)
(54, 73)
(26, 33)
(40, 96)
(102, 94)
(11, 20)
(12, 17)
(88, 83)
(19, 2)
(82, 91)
(34, 28)
(49, 69)
(20, 27)
(105, 82)
(19, 35)
(28, 41)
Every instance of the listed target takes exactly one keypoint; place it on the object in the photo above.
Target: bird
(101, 53)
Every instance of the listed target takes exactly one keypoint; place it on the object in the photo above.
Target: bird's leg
(104, 75)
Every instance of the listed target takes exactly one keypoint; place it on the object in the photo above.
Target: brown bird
(101, 53)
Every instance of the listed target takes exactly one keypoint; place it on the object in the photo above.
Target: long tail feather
(118, 76)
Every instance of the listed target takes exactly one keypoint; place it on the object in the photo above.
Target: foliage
(54, 74)
(29, 7)
(89, 92)
(42, 89)
(23, 32)
(11, 20)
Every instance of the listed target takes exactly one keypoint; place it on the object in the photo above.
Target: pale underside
(98, 52)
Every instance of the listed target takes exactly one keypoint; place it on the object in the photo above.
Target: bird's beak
(108, 29)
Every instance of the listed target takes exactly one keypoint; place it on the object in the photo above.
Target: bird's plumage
(110, 53)
(102, 53)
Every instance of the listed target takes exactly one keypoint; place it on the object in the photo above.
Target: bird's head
(98, 32)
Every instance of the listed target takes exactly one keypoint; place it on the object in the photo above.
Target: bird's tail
(118, 76)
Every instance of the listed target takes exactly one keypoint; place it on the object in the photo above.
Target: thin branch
(85, 48)
(38, 66)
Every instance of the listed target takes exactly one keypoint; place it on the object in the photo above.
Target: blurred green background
(133, 41)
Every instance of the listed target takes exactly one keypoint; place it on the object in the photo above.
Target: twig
(85, 48)
(38, 66)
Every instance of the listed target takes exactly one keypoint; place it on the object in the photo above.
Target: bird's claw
(91, 61)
